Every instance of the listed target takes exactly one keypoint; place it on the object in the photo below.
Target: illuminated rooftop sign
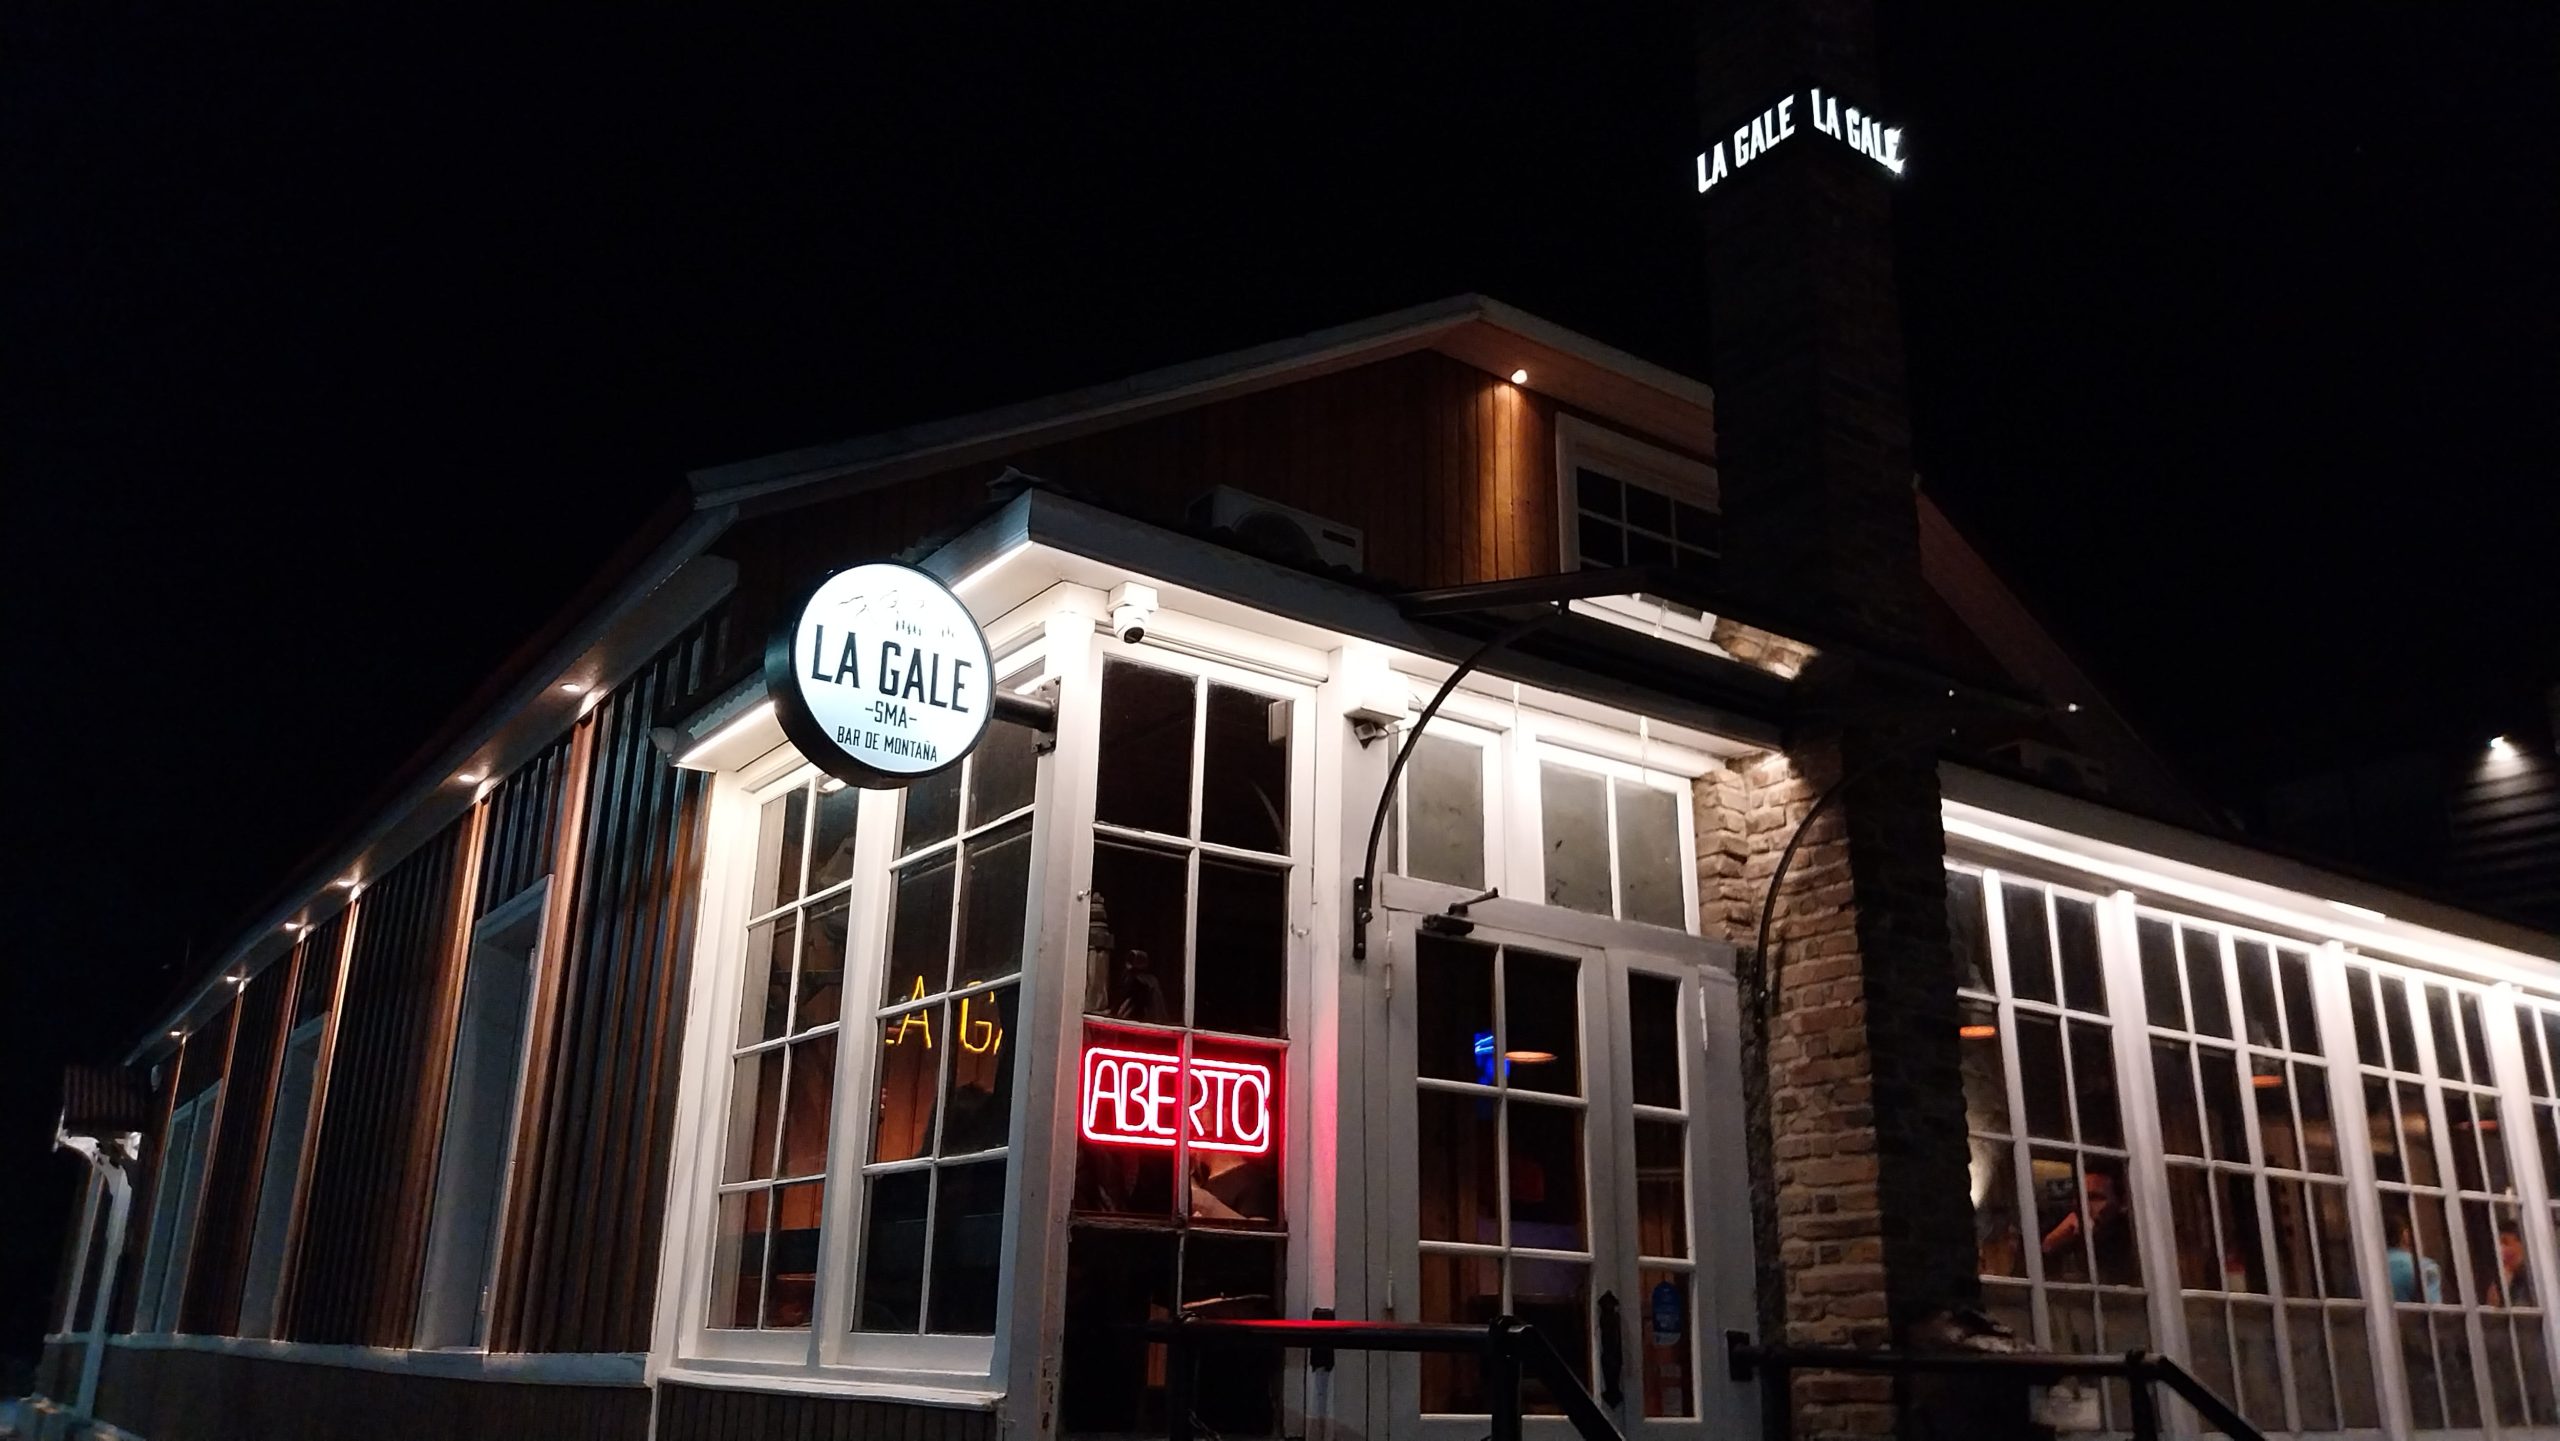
(1774, 126)
(1147, 1098)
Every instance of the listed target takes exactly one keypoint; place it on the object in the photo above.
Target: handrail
(2142, 1369)
(1506, 1345)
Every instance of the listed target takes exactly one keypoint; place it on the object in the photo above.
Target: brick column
(1861, 1205)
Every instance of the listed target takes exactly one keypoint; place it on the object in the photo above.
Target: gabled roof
(1496, 338)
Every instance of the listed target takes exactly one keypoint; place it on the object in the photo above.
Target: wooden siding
(701, 1413)
(316, 958)
(364, 1213)
(146, 1188)
(170, 1395)
(227, 1214)
(1448, 471)
(2503, 818)
(523, 827)
(579, 1261)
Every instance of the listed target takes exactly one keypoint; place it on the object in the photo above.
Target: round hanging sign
(880, 675)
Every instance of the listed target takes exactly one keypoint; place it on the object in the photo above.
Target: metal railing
(2142, 1370)
(1513, 1352)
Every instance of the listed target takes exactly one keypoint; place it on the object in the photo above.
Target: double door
(1564, 1120)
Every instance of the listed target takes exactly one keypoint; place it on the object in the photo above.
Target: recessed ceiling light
(2501, 747)
(469, 778)
(1519, 377)
(346, 883)
(572, 687)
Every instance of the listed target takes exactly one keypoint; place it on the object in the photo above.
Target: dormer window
(1623, 502)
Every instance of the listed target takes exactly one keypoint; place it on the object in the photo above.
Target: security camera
(1132, 606)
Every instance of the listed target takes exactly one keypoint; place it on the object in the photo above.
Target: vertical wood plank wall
(1448, 471)
(227, 1214)
(364, 1212)
(700, 1413)
(580, 1259)
(522, 827)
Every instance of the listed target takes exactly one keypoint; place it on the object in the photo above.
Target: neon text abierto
(1144, 1098)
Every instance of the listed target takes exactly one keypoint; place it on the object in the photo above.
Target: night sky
(339, 353)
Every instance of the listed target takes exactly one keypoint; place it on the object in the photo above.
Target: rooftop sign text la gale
(1772, 127)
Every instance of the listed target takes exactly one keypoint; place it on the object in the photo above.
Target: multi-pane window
(1622, 518)
(2052, 1183)
(2509, 1266)
(2447, 1189)
(935, 1176)
(1183, 1052)
(783, 1060)
(1505, 1223)
(1612, 844)
(173, 1211)
(2257, 1193)
(1437, 827)
(1666, 1268)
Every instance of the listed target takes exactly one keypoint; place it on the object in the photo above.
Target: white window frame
(162, 1298)
(828, 1354)
(1693, 482)
(280, 1181)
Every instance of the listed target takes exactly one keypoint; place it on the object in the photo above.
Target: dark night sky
(339, 352)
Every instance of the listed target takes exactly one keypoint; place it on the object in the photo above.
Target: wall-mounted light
(1519, 377)
(469, 778)
(2501, 748)
(346, 883)
(571, 687)
(177, 1035)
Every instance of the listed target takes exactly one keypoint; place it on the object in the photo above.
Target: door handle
(1613, 1350)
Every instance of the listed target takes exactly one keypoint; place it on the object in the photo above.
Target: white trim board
(578, 1368)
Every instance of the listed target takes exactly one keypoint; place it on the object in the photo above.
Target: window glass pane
(1241, 981)
(1573, 807)
(1113, 1384)
(793, 1285)
(2319, 1133)
(2536, 1080)
(1444, 805)
(2338, 1276)
(2475, 1040)
(919, 931)
(979, 1114)
(2275, 1112)
(2382, 1122)
(820, 990)
(1653, 1039)
(893, 1252)
(1244, 789)
(2181, 1129)
(2224, 1127)
(1666, 1380)
(764, 1010)
(2093, 1085)
(1453, 1009)
(1603, 543)
(1143, 771)
(1555, 1297)
(1986, 1084)
(968, 1233)
(811, 1106)
(2261, 1371)
(2440, 1019)
(831, 842)
(995, 880)
(2453, 1353)
(2368, 1028)
(737, 1265)
(1965, 930)
(2203, 950)
(2244, 1259)
(1003, 771)
(2463, 1141)
(2260, 1022)
(2418, 1359)
(1649, 856)
(1234, 1278)
(1662, 1191)
(2191, 1214)
(1546, 1175)
(1454, 1148)
(932, 811)
(1134, 948)
(2030, 947)
(2359, 1405)
(1241, 1184)
(1597, 493)
(1644, 548)
(1465, 1291)
(1649, 509)
(2058, 1214)
(2417, 1136)
(910, 1071)
(2538, 1390)
(1541, 1022)
(2306, 1344)
(2301, 1017)
(2040, 1079)
(2395, 1022)
(2075, 924)
(755, 1114)
(2161, 996)
(778, 846)
(1995, 1211)
(2289, 1216)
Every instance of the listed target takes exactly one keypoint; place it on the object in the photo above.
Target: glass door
(1542, 1096)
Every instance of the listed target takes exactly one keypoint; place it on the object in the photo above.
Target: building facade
(633, 1076)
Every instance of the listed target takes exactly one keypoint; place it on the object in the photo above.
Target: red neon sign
(1142, 1098)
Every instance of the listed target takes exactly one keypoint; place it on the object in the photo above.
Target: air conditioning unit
(1282, 532)
(2054, 765)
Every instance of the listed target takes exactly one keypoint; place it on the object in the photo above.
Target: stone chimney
(1860, 1190)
